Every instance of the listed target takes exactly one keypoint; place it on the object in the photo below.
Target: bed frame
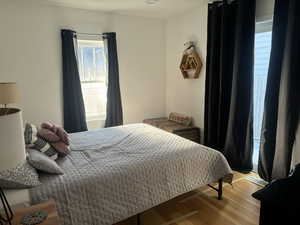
(219, 190)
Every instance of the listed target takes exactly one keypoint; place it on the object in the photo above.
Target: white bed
(114, 173)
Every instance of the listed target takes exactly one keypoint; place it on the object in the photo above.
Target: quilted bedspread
(114, 173)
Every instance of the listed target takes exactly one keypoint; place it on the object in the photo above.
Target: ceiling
(161, 9)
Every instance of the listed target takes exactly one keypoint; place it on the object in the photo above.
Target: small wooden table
(49, 206)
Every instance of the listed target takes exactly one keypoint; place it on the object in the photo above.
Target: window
(263, 39)
(92, 70)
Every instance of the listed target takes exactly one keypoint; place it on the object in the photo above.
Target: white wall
(149, 50)
(186, 95)
(30, 54)
(264, 10)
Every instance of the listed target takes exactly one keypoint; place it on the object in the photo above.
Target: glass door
(263, 38)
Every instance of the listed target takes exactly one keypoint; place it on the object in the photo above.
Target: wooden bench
(177, 124)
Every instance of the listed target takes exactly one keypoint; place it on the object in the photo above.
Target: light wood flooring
(201, 207)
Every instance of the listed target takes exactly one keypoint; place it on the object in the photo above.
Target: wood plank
(48, 206)
(201, 207)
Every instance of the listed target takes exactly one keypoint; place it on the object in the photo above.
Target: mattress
(114, 173)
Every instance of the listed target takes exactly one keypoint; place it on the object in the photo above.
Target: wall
(186, 96)
(264, 10)
(31, 55)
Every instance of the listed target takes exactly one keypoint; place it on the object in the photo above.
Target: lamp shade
(8, 93)
(12, 144)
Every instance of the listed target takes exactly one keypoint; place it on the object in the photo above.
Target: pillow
(61, 148)
(42, 162)
(48, 135)
(49, 126)
(63, 135)
(22, 176)
(43, 146)
(30, 133)
(59, 131)
(180, 118)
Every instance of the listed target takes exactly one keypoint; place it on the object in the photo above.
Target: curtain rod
(103, 35)
(220, 1)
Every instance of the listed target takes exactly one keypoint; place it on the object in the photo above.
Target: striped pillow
(30, 133)
(43, 146)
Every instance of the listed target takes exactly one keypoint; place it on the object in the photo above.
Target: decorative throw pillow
(59, 131)
(49, 126)
(22, 176)
(63, 135)
(42, 162)
(61, 148)
(30, 133)
(48, 135)
(43, 146)
(180, 118)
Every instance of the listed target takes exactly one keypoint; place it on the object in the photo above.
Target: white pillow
(42, 162)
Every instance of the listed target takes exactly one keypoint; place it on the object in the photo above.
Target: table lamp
(12, 149)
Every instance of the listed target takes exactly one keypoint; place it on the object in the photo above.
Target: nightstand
(49, 206)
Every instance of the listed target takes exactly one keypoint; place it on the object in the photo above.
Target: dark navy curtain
(282, 101)
(114, 112)
(73, 105)
(229, 81)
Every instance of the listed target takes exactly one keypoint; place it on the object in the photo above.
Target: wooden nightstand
(49, 206)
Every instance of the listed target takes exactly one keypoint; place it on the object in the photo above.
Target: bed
(114, 173)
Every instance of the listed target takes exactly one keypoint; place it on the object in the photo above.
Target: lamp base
(6, 208)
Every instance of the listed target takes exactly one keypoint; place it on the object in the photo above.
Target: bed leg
(138, 219)
(220, 189)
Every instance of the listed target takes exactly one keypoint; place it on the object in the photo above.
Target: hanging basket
(191, 64)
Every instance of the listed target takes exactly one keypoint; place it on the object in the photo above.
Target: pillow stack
(45, 145)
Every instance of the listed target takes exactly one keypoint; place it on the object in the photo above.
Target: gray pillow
(22, 176)
(42, 162)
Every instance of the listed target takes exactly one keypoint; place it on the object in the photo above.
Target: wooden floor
(201, 207)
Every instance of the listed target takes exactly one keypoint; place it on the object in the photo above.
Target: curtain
(229, 81)
(282, 108)
(73, 105)
(114, 112)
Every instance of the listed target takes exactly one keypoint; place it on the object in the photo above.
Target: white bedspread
(115, 173)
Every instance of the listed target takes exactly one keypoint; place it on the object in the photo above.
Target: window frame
(260, 27)
(82, 42)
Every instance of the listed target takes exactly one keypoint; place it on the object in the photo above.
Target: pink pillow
(63, 135)
(61, 148)
(57, 137)
(48, 135)
(59, 131)
(49, 126)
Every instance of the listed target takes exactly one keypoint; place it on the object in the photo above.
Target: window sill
(91, 119)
